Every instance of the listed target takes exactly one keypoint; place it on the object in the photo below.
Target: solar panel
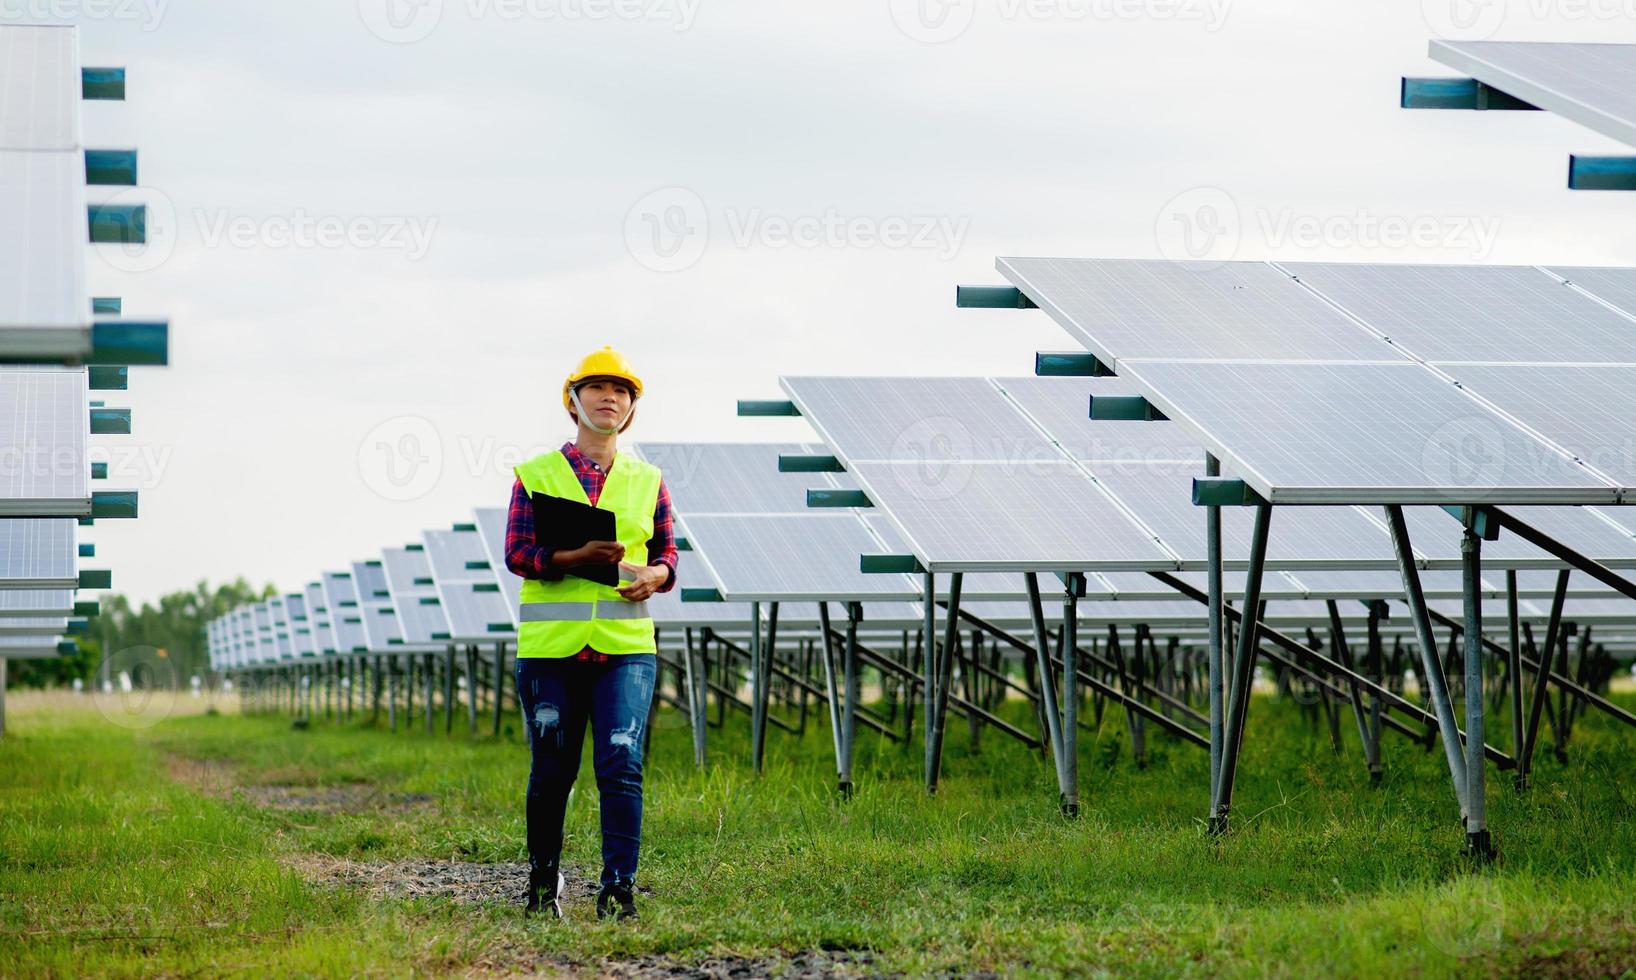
(1361, 433)
(1611, 285)
(930, 420)
(346, 612)
(39, 88)
(731, 478)
(1440, 313)
(323, 629)
(380, 620)
(280, 620)
(1134, 308)
(33, 625)
(467, 584)
(1136, 585)
(973, 586)
(38, 552)
(302, 641)
(414, 596)
(1586, 409)
(790, 557)
(43, 243)
(1159, 494)
(1061, 407)
(668, 609)
(1042, 516)
(29, 647)
(491, 527)
(1592, 84)
(44, 426)
(1586, 530)
(42, 190)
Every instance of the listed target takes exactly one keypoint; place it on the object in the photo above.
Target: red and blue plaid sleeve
(662, 546)
(523, 556)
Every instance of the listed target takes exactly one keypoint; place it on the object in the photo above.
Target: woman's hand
(590, 553)
(648, 580)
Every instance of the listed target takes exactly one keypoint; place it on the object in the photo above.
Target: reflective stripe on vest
(559, 618)
(582, 612)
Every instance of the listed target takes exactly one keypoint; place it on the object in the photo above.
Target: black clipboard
(562, 523)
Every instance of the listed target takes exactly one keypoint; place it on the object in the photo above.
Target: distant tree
(176, 625)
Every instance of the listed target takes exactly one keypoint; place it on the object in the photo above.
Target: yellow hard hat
(604, 363)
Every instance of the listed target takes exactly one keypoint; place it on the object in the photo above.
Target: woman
(586, 651)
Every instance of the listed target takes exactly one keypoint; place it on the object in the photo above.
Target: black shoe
(617, 901)
(545, 889)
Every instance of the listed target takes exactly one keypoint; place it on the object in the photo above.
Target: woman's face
(606, 400)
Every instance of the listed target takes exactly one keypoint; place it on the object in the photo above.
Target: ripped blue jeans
(558, 697)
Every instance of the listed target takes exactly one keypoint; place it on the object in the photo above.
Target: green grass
(108, 865)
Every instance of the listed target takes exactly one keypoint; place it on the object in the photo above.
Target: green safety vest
(558, 619)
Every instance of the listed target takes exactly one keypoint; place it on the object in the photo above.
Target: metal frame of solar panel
(1318, 383)
(1591, 84)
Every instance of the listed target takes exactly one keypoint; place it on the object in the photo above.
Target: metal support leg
(1371, 741)
(757, 704)
(1047, 684)
(1070, 700)
(1471, 566)
(831, 690)
(1432, 665)
(696, 707)
(944, 678)
(1514, 665)
(928, 660)
(499, 685)
(1541, 690)
(471, 688)
(1212, 534)
(448, 691)
(849, 716)
(1238, 702)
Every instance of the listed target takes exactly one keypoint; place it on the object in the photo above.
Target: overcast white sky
(728, 190)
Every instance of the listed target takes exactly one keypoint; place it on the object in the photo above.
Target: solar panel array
(1326, 383)
(1592, 84)
(46, 316)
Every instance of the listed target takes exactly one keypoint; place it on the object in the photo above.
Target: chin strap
(584, 416)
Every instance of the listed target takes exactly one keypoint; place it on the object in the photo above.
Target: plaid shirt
(529, 560)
